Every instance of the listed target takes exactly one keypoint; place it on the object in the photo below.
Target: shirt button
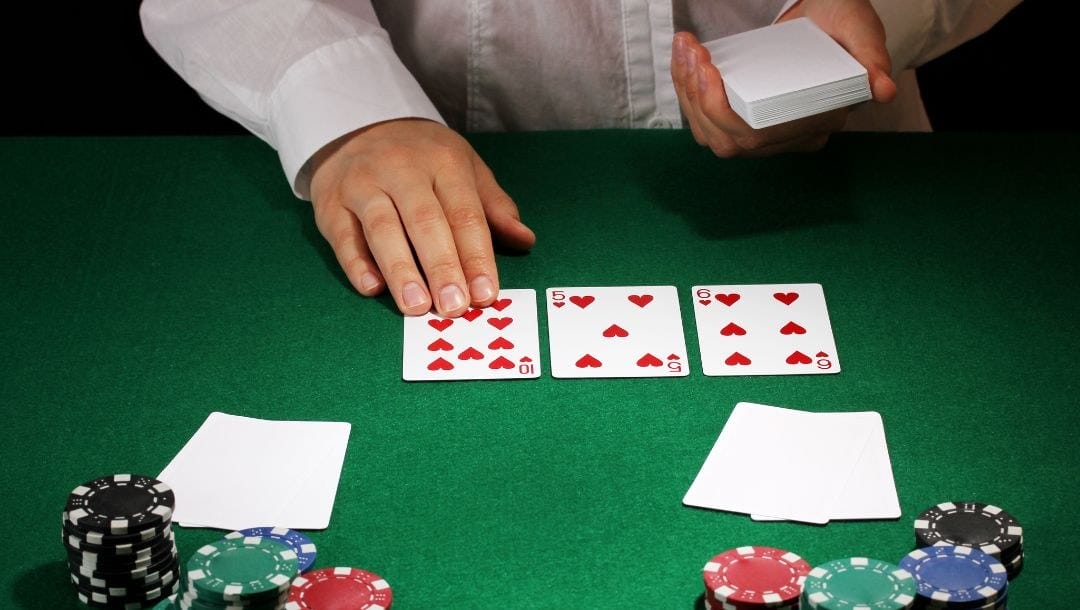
(660, 123)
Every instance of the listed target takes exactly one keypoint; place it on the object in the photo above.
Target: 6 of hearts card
(764, 329)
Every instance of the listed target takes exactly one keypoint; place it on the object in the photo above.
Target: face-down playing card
(764, 329)
(500, 341)
(616, 331)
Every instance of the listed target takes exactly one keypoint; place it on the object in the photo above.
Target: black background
(87, 70)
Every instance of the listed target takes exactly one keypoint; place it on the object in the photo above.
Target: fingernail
(680, 51)
(481, 288)
(451, 298)
(368, 282)
(413, 295)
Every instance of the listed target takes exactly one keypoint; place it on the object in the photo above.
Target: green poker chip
(242, 569)
(859, 582)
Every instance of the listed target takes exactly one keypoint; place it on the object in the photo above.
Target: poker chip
(241, 569)
(986, 527)
(956, 576)
(859, 583)
(165, 604)
(299, 543)
(339, 589)
(755, 576)
(118, 539)
(120, 504)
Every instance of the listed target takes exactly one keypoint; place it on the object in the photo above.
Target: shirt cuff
(335, 90)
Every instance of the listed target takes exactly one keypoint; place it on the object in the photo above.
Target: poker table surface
(150, 281)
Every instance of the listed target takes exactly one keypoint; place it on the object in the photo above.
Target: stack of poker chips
(752, 577)
(950, 576)
(974, 524)
(334, 588)
(120, 547)
(252, 572)
(859, 582)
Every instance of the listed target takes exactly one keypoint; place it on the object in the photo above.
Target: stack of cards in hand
(787, 71)
(628, 331)
(783, 464)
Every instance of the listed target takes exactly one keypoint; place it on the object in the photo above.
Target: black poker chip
(117, 535)
(120, 504)
(986, 527)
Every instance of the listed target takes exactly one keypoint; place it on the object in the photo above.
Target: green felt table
(148, 282)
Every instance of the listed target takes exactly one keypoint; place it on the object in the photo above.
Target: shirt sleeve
(917, 31)
(296, 73)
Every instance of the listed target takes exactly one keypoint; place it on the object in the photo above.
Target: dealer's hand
(391, 189)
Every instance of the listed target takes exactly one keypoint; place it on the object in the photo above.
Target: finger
(429, 232)
(389, 246)
(342, 230)
(456, 190)
(501, 211)
(722, 125)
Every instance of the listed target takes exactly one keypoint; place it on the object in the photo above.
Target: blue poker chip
(956, 576)
(299, 543)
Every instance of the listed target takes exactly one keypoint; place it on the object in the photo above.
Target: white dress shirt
(301, 73)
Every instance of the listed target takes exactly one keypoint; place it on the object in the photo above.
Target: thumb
(863, 35)
(501, 211)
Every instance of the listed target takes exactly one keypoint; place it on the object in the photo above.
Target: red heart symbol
(588, 361)
(737, 359)
(439, 364)
(501, 363)
(673, 357)
(471, 353)
(472, 314)
(732, 329)
(649, 360)
(705, 301)
(615, 331)
(501, 304)
(641, 300)
(500, 343)
(558, 303)
(798, 357)
(500, 323)
(525, 359)
(582, 302)
(727, 299)
(440, 324)
(787, 298)
(822, 355)
(440, 344)
(792, 328)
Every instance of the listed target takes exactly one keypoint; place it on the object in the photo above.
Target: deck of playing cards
(787, 71)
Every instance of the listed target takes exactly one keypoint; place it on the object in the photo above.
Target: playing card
(500, 341)
(621, 331)
(870, 491)
(781, 462)
(764, 329)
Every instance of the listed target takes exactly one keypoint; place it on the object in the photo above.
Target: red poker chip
(758, 575)
(339, 589)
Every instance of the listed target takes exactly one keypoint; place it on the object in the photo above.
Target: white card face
(764, 329)
(780, 462)
(780, 59)
(616, 331)
(242, 489)
(500, 341)
(870, 493)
